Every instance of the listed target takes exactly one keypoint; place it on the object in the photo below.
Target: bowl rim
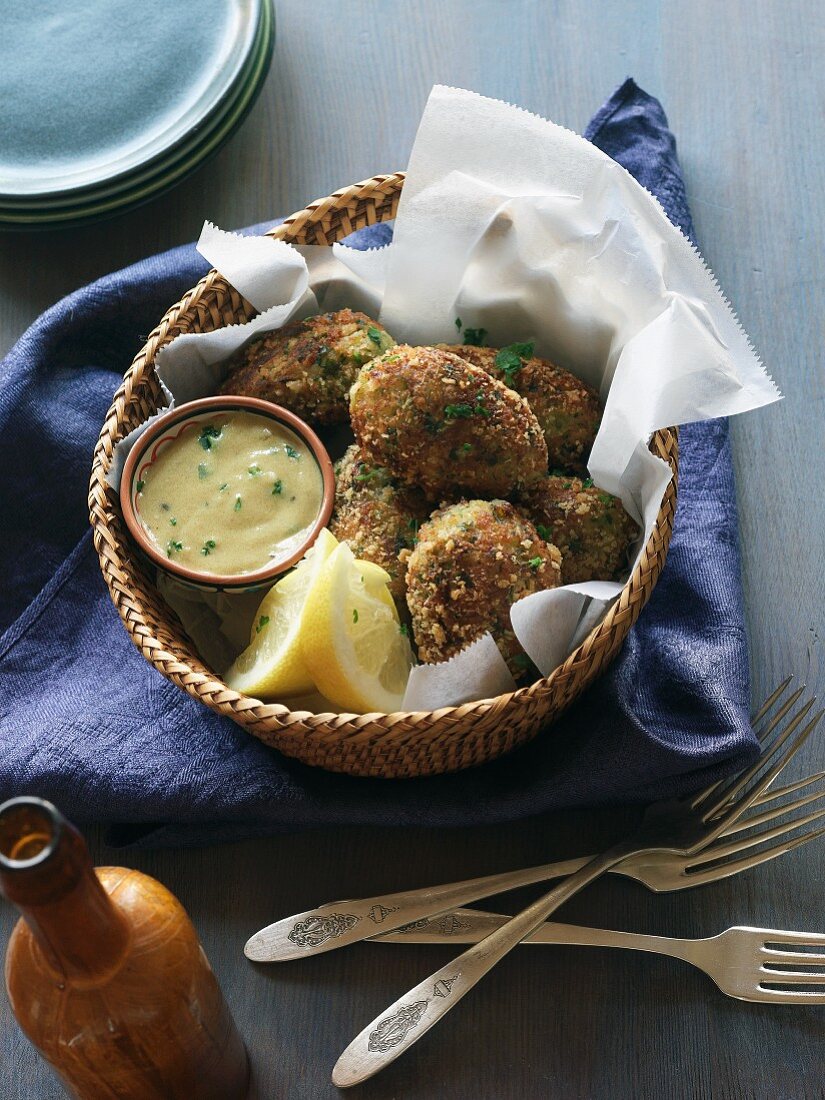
(229, 402)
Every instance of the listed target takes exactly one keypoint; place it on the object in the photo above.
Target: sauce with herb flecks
(230, 495)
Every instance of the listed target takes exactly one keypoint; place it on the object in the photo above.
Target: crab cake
(378, 520)
(441, 424)
(309, 366)
(567, 409)
(473, 560)
(590, 527)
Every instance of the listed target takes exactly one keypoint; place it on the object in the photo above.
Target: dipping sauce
(230, 494)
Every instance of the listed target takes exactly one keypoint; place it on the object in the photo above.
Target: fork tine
(771, 795)
(794, 958)
(769, 702)
(720, 851)
(791, 977)
(795, 939)
(734, 813)
(750, 822)
(725, 870)
(765, 993)
(700, 796)
(730, 783)
(731, 813)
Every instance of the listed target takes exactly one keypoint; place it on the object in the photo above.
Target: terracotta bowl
(184, 418)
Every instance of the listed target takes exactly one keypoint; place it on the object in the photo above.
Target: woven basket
(391, 745)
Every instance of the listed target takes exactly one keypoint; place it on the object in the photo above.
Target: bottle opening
(29, 831)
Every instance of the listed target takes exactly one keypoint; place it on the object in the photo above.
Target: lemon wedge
(351, 638)
(272, 665)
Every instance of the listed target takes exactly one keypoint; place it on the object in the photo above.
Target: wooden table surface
(742, 84)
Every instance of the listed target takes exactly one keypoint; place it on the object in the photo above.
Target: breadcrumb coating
(567, 409)
(376, 518)
(445, 426)
(309, 366)
(590, 527)
(473, 560)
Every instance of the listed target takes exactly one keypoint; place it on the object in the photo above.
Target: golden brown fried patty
(589, 526)
(376, 518)
(309, 366)
(566, 409)
(472, 562)
(438, 423)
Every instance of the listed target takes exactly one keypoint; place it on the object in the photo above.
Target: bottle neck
(46, 871)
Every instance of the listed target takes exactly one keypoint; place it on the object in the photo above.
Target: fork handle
(412, 1016)
(472, 925)
(338, 924)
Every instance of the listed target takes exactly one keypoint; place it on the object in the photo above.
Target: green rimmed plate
(196, 137)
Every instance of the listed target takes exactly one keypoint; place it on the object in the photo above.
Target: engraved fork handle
(472, 925)
(340, 923)
(405, 1021)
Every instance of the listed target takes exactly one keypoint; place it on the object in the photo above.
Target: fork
(684, 828)
(338, 924)
(747, 963)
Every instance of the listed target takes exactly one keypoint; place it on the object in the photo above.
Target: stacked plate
(106, 104)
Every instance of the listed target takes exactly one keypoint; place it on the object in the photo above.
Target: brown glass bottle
(105, 972)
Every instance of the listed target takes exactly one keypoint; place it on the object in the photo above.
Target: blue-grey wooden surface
(742, 83)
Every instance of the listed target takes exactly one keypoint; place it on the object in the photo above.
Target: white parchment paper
(518, 226)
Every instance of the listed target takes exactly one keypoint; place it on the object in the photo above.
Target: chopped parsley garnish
(557, 473)
(224, 486)
(139, 486)
(544, 532)
(605, 498)
(277, 487)
(404, 629)
(203, 471)
(462, 410)
(237, 504)
(355, 614)
(208, 547)
(374, 335)
(327, 360)
(172, 546)
(509, 360)
(254, 471)
(535, 562)
(173, 522)
(587, 483)
(261, 623)
(475, 337)
(208, 433)
(376, 471)
(466, 448)
(291, 452)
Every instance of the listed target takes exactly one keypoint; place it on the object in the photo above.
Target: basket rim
(103, 506)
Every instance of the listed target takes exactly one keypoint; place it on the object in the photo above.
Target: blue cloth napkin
(86, 722)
